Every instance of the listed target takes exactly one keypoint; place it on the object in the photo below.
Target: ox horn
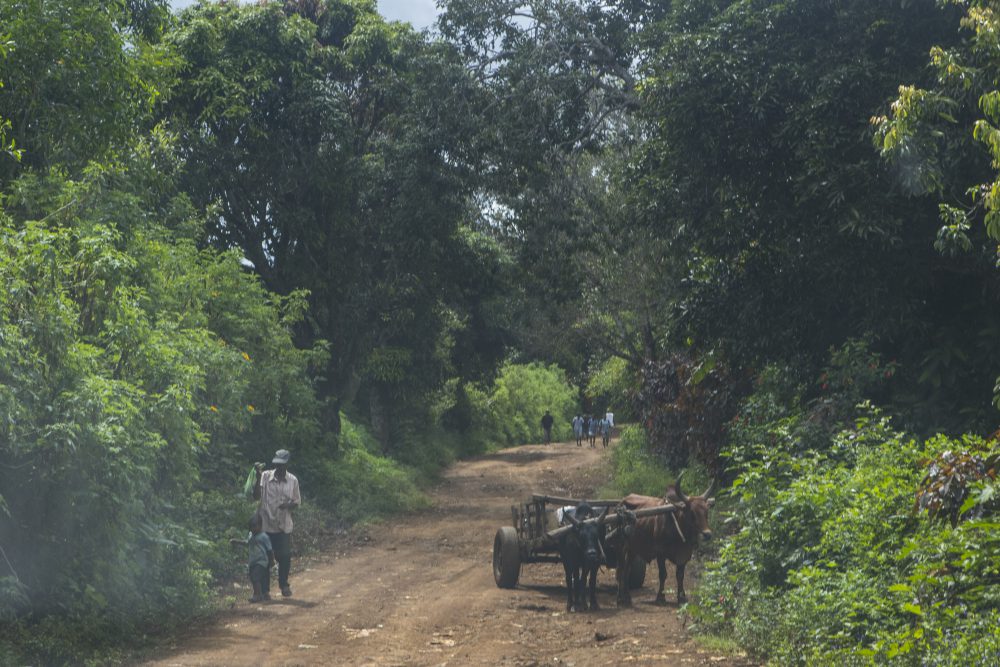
(708, 491)
(572, 519)
(677, 488)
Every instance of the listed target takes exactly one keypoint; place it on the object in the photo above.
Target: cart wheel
(637, 573)
(506, 558)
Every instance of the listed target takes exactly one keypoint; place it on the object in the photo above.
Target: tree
(329, 141)
(139, 372)
(758, 173)
(941, 138)
(553, 85)
(78, 80)
(139, 375)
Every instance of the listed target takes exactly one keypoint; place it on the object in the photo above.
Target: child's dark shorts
(260, 575)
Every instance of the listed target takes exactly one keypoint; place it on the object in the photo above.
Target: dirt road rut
(420, 591)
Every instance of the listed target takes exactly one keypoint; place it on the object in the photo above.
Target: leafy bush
(613, 384)
(510, 412)
(372, 486)
(830, 565)
(686, 401)
(139, 376)
(635, 468)
(360, 483)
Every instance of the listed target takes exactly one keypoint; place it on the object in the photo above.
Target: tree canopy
(297, 224)
(341, 160)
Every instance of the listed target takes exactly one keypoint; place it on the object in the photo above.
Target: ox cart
(534, 538)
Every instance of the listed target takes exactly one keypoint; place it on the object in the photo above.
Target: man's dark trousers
(282, 545)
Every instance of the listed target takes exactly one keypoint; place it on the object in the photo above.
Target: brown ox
(658, 537)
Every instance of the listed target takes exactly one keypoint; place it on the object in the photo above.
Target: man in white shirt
(578, 429)
(278, 493)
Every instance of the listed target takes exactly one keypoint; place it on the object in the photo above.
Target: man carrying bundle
(278, 493)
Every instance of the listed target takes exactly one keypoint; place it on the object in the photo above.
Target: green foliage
(942, 139)
(686, 402)
(391, 484)
(551, 83)
(141, 372)
(139, 376)
(613, 385)
(511, 412)
(8, 146)
(549, 74)
(811, 199)
(855, 371)
(829, 564)
(802, 239)
(371, 486)
(636, 470)
(77, 81)
(307, 124)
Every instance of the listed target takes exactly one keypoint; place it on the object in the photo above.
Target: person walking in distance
(278, 493)
(578, 429)
(547, 421)
(259, 560)
(605, 431)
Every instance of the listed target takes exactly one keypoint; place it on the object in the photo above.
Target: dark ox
(581, 553)
(658, 537)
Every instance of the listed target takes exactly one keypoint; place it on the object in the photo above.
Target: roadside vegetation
(510, 412)
(762, 232)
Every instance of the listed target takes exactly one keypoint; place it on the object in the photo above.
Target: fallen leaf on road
(358, 633)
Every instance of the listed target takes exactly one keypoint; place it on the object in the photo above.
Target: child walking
(259, 561)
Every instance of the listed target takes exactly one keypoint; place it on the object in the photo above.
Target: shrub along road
(419, 590)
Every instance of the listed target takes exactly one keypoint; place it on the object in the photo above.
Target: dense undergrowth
(842, 539)
(854, 544)
(297, 225)
(510, 412)
(635, 469)
(354, 483)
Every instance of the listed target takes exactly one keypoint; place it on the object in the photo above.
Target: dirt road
(420, 591)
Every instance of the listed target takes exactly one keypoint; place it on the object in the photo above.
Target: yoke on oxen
(671, 535)
(632, 539)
